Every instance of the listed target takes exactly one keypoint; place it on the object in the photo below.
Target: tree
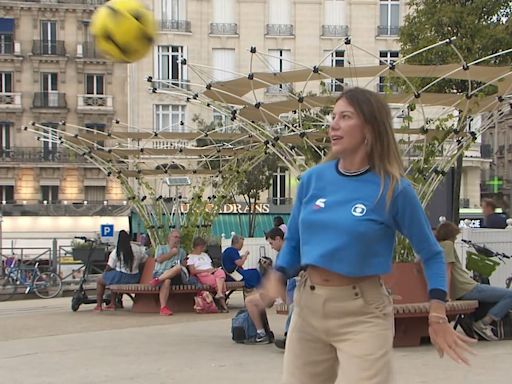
(254, 180)
(480, 28)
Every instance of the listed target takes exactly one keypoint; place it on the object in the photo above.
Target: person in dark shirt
(491, 218)
(233, 264)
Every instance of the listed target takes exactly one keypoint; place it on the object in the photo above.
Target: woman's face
(347, 130)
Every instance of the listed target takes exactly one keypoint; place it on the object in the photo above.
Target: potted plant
(81, 251)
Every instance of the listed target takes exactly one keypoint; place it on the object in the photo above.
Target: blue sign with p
(107, 230)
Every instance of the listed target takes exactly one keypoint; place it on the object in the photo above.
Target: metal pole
(54, 265)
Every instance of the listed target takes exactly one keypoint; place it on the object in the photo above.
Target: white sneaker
(485, 331)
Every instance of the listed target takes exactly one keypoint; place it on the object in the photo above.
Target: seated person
(233, 264)
(122, 268)
(169, 269)
(462, 287)
(257, 303)
(200, 265)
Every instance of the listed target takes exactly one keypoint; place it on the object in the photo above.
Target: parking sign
(107, 230)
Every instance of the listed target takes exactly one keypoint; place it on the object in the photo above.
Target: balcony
(170, 84)
(334, 30)
(388, 30)
(279, 30)
(386, 87)
(6, 47)
(39, 154)
(48, 48)
(88, 50)
(280, 89)
(176, 25)
(10, 102)
(82, 2)
(223, 29)
(95, 104)
(49, 100)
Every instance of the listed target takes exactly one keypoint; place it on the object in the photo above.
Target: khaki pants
(340, 335)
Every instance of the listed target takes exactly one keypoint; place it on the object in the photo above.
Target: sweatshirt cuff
(437, 294)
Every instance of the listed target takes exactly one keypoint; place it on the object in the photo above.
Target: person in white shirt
(200, 265)
(122, 268)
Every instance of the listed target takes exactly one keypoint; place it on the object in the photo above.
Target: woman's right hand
(274, 285)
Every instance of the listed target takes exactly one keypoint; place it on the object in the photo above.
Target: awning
(225, 224)
(6, 25)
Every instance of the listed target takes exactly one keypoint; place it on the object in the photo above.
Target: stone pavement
(42, 341)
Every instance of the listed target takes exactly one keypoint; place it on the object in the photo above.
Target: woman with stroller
(122, 268)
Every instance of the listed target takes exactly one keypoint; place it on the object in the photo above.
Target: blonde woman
(342, 232)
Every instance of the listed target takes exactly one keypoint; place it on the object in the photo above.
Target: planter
(408, 287)
(82, 254)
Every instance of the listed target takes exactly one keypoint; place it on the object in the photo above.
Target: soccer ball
(124, 30)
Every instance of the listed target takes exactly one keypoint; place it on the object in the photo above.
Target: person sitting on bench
(200, 265)
(462, 287)
(169, 269)
(122, 268)
(233, 264)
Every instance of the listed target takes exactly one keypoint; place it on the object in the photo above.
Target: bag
(504, 327)
(235, 275)
(243, 330)
(204, 303)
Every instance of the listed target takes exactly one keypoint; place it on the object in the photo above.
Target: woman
(279, 223)
(465, 288)
(122, 268)
(342, 233)
(200, 265)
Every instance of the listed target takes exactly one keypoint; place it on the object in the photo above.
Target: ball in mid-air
(124, 30)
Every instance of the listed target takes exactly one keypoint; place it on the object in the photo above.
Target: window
(5, 82)
(7, 193)
(94, 84)
(335, 12)
(224, 11)
(50, 193)
(279, 12)
(224, 64)
(279, 187)
(50, 96)
(336, 59)
(169, 66)
(169, 118)
(50, 142)
(48, 37)
(386, 58)
(174, 9)
(100, 128)
(94, 194)
(6, 36)
(389, 18)
(279, 62)
(5, 139)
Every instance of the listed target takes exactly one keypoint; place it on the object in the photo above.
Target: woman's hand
(447, 341)
(274, 285)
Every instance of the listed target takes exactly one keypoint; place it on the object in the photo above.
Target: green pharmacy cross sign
(496, 183)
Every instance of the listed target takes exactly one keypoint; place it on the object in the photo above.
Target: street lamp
(177, 181)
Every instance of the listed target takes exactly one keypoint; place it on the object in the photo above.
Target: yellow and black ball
(124, 30)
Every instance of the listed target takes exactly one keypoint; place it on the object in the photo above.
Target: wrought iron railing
(334, 30)
(49, 100)
(279, 30)
(223, 28)
(176, 25)
(48, 47)
(388, 30)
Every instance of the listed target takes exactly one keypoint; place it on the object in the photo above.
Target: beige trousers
(341, 335)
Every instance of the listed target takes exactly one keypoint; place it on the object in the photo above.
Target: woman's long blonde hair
(383, 153)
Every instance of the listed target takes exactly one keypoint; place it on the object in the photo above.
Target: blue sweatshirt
(340, 223)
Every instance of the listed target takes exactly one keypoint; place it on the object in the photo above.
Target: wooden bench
(146, 298)
(411, 320)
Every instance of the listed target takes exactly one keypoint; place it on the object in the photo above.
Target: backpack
(243, 330)
(204, 303)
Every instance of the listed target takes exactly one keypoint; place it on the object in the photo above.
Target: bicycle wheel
(47, 285)
(7, 287)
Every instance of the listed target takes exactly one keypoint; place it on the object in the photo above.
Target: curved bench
(411, 319)
(181, 297)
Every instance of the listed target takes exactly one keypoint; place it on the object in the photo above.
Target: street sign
(107, 230)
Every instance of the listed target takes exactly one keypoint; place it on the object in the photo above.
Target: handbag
(204, 303)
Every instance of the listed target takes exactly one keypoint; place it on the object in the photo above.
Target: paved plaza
(42, 341)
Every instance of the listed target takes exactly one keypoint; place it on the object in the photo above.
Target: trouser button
(312, 287)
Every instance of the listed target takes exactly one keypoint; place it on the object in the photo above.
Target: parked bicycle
(483, 262)
(20, 278)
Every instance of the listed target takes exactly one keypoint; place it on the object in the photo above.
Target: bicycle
(44, 284)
